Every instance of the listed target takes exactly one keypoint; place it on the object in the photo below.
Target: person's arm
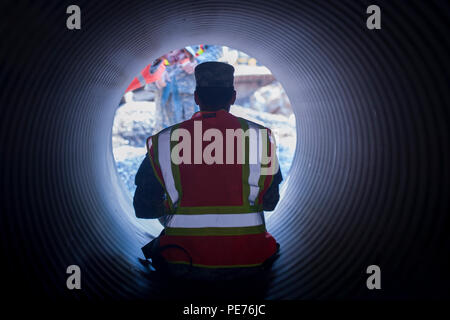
(272, 195)
(149, 196)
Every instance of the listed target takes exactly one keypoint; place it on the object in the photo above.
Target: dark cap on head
(214, 74)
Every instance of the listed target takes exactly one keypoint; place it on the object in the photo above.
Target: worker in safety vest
(209, 180)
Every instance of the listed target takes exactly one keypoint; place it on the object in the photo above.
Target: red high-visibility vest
(216, 210)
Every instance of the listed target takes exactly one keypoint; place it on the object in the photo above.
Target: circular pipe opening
(317, 90)
(141, 112)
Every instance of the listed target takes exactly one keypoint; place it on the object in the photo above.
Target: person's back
(219, 173)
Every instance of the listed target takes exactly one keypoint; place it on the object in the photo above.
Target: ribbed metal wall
(369, 181)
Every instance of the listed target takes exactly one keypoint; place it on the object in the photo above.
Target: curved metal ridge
(369, 181)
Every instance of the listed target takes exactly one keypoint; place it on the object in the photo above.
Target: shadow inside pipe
(177, 288)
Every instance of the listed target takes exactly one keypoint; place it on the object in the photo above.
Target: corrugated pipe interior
(367, 184)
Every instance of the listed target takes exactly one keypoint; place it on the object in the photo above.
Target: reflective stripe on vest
(229, 220)
(152, 151)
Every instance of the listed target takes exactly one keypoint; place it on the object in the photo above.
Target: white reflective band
(226, 220)
(149, 144)
(166, 164)
(255, 149)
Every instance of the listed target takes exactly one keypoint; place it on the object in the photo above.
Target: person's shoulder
(253, 124)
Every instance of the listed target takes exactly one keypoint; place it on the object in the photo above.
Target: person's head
(215, 88)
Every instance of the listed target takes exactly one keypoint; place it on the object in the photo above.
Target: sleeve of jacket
(272, 195)
(149, 196)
